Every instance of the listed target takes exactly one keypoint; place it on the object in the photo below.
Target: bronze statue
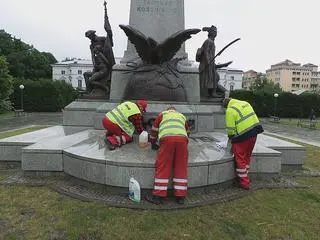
(99, 80)
(208, 74)
(205, 55)
(156, 78)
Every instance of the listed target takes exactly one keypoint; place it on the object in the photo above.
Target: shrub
(43, 95)
(287, 104)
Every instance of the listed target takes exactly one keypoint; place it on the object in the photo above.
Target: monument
(156, 77)
(77, 148)
(159, 20)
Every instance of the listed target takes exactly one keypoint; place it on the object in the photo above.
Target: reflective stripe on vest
(120, 115)
(172, 124)
(244, 118)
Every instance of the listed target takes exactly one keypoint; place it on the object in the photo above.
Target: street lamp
(276, 95)
(21, 94)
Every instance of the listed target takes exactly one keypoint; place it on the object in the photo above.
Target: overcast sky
(270, 30)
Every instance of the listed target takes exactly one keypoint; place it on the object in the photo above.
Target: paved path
(10, 123)
(305, 135)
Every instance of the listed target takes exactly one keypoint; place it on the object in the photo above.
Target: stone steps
(10, 148)
(47, 155)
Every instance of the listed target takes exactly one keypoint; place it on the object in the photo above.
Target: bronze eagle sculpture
(152, 52)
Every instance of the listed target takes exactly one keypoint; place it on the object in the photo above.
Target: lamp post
(21, 95)
(276, 95)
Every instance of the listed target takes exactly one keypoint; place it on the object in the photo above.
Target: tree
(5, 85)
(263, 85)
(24, 60)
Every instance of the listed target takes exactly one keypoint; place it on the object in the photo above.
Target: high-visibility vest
(120, 115)
(172, 124)
(240, 118)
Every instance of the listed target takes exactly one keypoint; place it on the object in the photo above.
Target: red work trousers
(242, 154)
(115, 135)
(173, 153)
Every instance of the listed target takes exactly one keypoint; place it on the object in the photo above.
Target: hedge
(43, 96)
(287, 104)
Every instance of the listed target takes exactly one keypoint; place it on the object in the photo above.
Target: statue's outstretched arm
(223, 65)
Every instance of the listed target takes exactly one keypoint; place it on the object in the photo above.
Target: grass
(7, 114)
(40, 213)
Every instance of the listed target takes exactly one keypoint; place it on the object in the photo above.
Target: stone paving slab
(11, 123)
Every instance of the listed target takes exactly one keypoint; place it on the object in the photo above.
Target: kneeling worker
(122, 122)
(171, 128)
(243, 126)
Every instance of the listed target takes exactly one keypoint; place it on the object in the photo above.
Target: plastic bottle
(143, 139)
(134, 190)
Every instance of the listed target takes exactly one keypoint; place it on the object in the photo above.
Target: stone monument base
(82, 153)
(203, 117)
(189, 74)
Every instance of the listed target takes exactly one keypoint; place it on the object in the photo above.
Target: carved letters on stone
(155, 7)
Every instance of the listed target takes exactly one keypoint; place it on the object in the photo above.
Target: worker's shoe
(110, 146)
(154, 199)
(237, 183)
(180, 200)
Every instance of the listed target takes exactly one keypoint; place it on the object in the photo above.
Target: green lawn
(40, 213)
(6, 114)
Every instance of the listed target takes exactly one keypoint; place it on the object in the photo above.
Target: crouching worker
(171, 128)
(243, 126)
(122, 122)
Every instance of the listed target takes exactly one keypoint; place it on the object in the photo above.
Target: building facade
(248, 78)
(72, 72)
(294, 76)
(231, 79)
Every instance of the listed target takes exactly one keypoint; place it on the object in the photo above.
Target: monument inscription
(156, 7)
(158, 19)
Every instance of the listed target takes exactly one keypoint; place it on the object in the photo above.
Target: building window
(70, 71)
(231, 87)
(232, 78)
(63, 72)
(79, 83)
(80, 72)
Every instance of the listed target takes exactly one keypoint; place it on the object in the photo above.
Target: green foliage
(286, 105)
(24, 60)
(43, 95)
(5, 85)
(263, 85)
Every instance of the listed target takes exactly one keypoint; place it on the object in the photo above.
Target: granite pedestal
(82, 153)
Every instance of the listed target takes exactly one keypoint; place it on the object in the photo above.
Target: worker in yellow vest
(122, 122)
(172, 130)
(243, 126)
